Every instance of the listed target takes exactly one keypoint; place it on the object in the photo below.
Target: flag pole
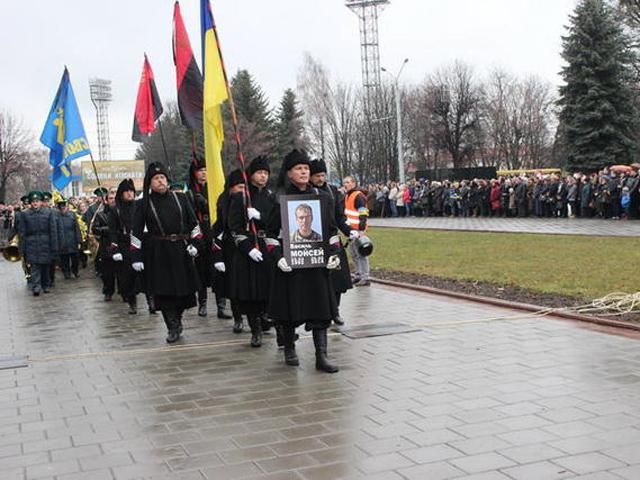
(95, 170)
(164, 146)
(236, 131)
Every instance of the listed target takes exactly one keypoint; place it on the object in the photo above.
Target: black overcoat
(341, 277)
(303, 296)
(38, 230)
(69, 236)
(200, 205)
(169, 270)
(249, 281)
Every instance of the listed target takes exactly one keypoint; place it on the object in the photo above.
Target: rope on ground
(612, 305)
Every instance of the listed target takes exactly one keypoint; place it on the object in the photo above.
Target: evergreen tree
(597, 118)
(289, 126)
(255, 124)
(178, 141)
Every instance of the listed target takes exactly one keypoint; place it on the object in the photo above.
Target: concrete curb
(605, 322)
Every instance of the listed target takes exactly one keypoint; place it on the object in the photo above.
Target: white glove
(283, 265)
(253, 213)
(255, 254)
(137, 266)
(220, 266)
(117, 257)
(191, 250)
(353, 234)
(333, 262)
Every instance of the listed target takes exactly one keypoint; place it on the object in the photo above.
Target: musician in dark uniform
(223, 246)
(169, 247)
(250, 268)
(69, 239)
(38, 230)
(302, 296)
(198, 198)
(340, 277)
(120, 221)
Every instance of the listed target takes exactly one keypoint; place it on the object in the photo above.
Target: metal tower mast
(100, 90)
(367, 11)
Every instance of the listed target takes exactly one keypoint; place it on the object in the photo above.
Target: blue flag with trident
(64, 134)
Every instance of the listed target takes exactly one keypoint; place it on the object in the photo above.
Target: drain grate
(8, 363)
(378, 330)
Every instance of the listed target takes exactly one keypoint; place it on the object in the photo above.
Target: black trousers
(39, 279)
(69, 264)
(108, 276)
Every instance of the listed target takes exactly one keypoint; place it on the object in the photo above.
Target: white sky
(107, 39)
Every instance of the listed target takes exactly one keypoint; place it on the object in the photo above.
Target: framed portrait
(304, 236)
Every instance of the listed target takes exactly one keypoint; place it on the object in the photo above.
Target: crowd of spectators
(609, 193)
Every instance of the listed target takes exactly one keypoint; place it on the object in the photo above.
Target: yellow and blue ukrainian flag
(64, 134)
(214, 94)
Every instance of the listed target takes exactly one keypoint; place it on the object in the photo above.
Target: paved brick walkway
(479, 393)
(566, 226)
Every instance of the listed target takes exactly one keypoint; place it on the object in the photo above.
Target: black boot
(256, 330)
(338, 320)
(151, 304)
(133, 305)
(221, 302)
(265, 322)
(202, 307)
(179, 321)
(237, 318)
(289, 339)
(320, 342)
(170, 321)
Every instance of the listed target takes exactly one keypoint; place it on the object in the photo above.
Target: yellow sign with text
(111, 173)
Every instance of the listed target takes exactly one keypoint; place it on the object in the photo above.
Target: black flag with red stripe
(148, 106)
(188, 75)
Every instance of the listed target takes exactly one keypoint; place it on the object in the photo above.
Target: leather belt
(174, 237)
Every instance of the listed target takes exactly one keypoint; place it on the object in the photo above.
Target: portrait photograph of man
(304, 224)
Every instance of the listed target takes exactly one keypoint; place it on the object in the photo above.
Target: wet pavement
(561, 226)
(478, 393)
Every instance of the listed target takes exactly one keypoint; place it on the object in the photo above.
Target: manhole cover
(7, 363)
(378, 330)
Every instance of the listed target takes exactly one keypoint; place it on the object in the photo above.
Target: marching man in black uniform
(167, 253)
(223, 247)
(250, 270)
(302, 296)
(341, 277)
(100, 228)
(120, 221)
(197, 196)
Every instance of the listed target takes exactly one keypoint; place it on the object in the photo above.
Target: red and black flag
(148, 106)
(188, 75)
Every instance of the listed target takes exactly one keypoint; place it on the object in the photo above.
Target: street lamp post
(396, 88)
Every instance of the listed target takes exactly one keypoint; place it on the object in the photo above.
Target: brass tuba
(11, 252)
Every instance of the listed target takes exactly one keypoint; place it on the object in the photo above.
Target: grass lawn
(577, 266)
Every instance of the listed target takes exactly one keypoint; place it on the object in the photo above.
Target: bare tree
(455, 110)
(419, 129)
(517, 120)
(35, 175)
(15, 144)
(538, 121)
(330, 115)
